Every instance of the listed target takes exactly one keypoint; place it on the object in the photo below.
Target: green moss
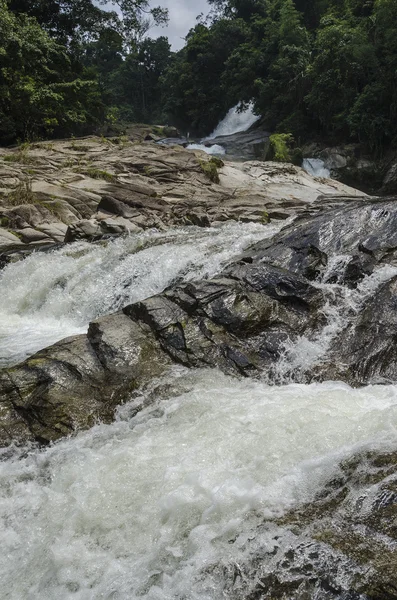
(148, 170)
(265, 219)
(99, 174)
(280, 144)
(217, 162)
(210, 168)
(4, 221)
(159, 131)
(16, 233)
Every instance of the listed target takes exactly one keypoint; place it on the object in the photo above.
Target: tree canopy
(313, 68)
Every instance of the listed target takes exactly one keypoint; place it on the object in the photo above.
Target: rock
(339, 546)
(366, 352)
(41, 399)
(247, 145)
(29, 236)
(389, 185)
(75, 183)
(8, 240)
(348, 165)
(84, 230)
(233, 322)
(363, 231)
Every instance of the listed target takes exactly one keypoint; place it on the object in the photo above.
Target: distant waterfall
(234, 122)
(316, 167)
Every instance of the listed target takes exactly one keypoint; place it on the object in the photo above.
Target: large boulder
(243, 321)
(237, 322)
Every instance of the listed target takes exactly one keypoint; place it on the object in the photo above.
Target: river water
(49, 296)
(164, 504)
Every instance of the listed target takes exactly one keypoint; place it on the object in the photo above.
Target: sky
(182, 16)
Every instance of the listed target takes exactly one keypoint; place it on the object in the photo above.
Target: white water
(47, 297)
(341, 306)
(316, 167)
(162, 505)
(233, 122)
(215, 149)
(155, 506)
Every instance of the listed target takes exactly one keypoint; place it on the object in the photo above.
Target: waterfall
(233, 122)
(316, 167)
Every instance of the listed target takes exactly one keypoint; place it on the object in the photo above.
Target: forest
(318, 69)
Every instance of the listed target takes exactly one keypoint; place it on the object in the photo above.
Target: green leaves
(39, 93)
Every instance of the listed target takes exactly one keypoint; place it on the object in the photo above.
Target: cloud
(182, 17)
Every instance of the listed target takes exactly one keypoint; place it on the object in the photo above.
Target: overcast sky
(182, 17)
(182, 14)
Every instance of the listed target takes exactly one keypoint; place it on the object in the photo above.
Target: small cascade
(47, 297)
(316, 167)
(341, 307)
(214, 150)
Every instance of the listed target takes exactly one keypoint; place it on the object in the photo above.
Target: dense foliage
(313, 68)
(67, 66)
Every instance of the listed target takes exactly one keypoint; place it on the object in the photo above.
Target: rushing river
(50, 296)
(164, 504)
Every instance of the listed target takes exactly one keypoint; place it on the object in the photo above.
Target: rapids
(166, 504)
(47, 297)
(160, 505)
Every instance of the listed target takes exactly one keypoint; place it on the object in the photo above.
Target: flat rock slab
(76, 184)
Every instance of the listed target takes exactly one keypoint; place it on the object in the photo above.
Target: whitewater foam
(155, 506)
(214, 150)
(47, 297)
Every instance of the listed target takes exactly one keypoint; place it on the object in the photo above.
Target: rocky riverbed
(252, 385)
(88, 188)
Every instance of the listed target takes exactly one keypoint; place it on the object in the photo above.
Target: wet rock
(363, 232)
(78, 381)
(366, 352)
(229, 322)
(340, 545)
(246, 145)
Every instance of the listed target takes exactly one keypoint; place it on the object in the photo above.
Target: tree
(39, 93)
(135, 85)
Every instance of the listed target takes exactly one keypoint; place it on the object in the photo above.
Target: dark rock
(366, 351)
(78, 381)
(244, 145)
(339, 546)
